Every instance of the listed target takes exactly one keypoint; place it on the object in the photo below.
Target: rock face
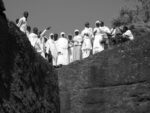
(28, 83)
(114, 81)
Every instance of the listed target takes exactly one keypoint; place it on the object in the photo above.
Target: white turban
(51, 34)
(97, 22)
(76, 30)
(62, 33)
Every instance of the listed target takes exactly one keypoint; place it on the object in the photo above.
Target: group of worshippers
(66, 49)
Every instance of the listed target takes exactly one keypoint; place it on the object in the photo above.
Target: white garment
(62, 47)
(113, 32)
(22, 24)
(105, 29)
(97, 31)
(39, 46)
(86, 47)
(70, 52)
(129, 34)
(77, 40)
(33, 38)
(87, 35)
(51, 47)
(85, 53)
(88, 31)
(97, 46)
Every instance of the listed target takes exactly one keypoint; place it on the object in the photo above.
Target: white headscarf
(97, 22)
(62, 33)
(76, 30)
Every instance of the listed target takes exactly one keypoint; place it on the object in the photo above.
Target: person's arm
(43, 33)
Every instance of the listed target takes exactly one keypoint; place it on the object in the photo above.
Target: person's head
(125, 28)
(35, 30)
(87, 24)
(97, 23)
(29, 29)
(26, 14)
(101, 23)
(70, 37)
(39, 33)
(52, 36)
(55, 37)
(17, 20)
(76, 32)
(62, 34)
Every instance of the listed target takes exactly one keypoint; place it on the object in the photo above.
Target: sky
(64, 15)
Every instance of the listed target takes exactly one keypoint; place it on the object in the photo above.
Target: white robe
(71, 52)
(87, 42)
(51, 47)
(39, 46)
(97, 46)
(33, 38)
(77, 47)
(22, 24)
(62, 47)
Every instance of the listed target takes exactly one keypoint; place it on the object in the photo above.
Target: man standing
(40, 43)
(22, 24)
(70, 49)
(62, 47)
(97, 45)
(51, 49)
(33, 37)
(87, 35)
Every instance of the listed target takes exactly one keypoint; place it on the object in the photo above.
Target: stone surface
(114, 81)
(28, 84)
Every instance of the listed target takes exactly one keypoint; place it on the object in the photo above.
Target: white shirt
(39, 46)
(51, 47)
(129, 34)
(33, 38)
(105, 29)
(62, 43)
(88, 31)
(97, 31)
(77, 40)
(22, 24)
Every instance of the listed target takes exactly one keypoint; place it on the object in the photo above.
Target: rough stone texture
(28, 84)
(114, 81)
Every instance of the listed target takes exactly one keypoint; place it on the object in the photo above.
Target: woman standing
(77, 46)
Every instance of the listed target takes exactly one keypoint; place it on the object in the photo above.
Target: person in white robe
(87, 35)
(40, 44)
(22, 24)
(33, 37)
(51, 49)
(127, 34)
(105, 31)
(77, 45)
(62, 47)
(98, 37)
(70, 49)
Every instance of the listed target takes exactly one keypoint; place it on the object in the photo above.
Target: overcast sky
(64, 15)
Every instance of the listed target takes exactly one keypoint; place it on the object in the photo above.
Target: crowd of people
(62, 49)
